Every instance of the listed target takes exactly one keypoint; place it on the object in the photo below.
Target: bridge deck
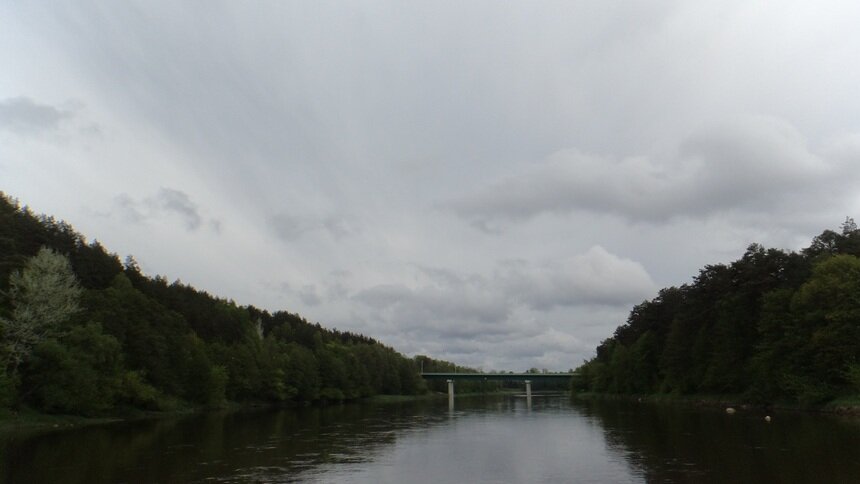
(498, 376)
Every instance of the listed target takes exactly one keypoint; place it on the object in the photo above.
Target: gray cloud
(308, 295)
(385, 295)
(526, 345)
(215, 225)
(178, 202)
(451, 306)
(441, 312)
(754, 164)
(595, 277)
(22, 115)
(166, 201)
(337, 227)
(589, 138)
(289, 227)
(129, 210)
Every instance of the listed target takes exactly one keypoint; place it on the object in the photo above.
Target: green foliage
(155, 341)
(80, 373)
(8, 389)
(772, 325)
(44, 295)
(852, 377)
(94, 267)
(205, 383)
(82, 333)
(275, 363)
(136, 392)
(829, 307)
(241, 364)
(779, 352)
(302, 372)
(216, 385)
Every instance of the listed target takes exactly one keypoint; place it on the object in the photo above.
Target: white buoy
(730, 410)
(767, 418)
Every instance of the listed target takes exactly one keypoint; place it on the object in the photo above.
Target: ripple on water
(481, 442)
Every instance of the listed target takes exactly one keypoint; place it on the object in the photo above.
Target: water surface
(483, 440)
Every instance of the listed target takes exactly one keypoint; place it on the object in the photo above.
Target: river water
(482, 440)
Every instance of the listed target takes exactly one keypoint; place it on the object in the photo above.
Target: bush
(217, 385)
(136, 392)
(332, 394)
(79, 374)
(8, 389)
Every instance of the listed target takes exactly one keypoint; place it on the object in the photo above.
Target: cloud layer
(336, 160)
(167, 202)
(22, 115)
(454, 312)
(759, 164)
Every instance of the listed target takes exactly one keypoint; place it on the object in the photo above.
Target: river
(482, 440)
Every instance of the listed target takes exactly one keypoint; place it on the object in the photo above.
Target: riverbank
(848, 406)
(29, 419)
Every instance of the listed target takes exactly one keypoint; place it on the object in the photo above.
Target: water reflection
(510, 439)
(238, 447)
(683, 444)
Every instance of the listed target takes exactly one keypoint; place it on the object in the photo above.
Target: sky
(488, 182)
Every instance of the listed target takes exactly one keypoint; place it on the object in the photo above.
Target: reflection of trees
(661, 443)
(669, 444)
(250, 445)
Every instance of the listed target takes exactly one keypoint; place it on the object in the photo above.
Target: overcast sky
(492, 183)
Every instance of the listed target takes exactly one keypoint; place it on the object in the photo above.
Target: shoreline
(28, 419)
(847, 406)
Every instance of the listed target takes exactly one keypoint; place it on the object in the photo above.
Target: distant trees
(773, 325)
(83, 333)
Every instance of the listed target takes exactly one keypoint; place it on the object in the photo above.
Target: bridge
(528, 378)
(499, 376)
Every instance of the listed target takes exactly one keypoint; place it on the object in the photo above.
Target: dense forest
(773, 326)
(83, 333)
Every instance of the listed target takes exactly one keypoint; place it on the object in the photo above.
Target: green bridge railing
(535, 377)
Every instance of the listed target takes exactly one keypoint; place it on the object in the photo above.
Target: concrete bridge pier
(450, 394)
(529, 394)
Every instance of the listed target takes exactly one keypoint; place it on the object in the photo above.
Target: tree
(154, 339)
(83, 333)
(80, 373)
(829, 307)
(43, 295)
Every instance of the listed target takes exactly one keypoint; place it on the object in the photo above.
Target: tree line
(83, 333)
(772, 326)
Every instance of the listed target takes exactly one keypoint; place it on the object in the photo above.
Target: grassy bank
(30, 419)
(26, 418)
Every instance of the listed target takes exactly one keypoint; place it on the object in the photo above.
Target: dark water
(481, 441)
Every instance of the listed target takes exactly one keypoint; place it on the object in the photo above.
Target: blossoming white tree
(43, 296)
